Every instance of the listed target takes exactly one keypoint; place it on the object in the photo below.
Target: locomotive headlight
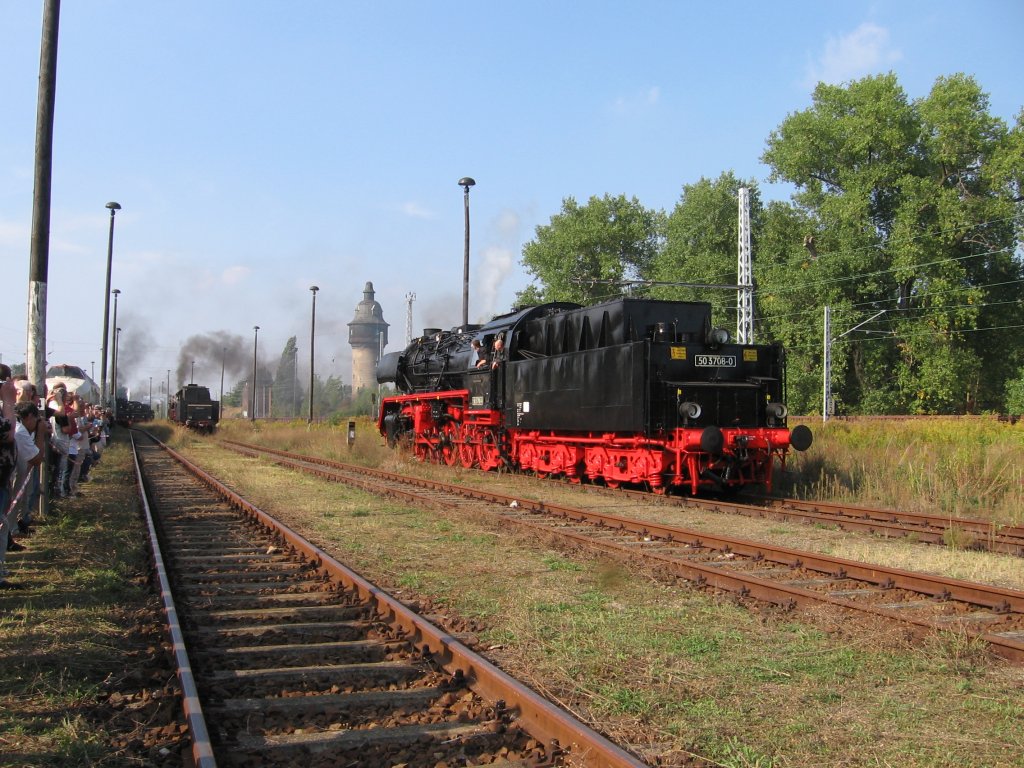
(717, 337)
(776, 411)
(689, 410)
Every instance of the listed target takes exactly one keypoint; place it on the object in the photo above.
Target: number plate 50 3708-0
(714, 361)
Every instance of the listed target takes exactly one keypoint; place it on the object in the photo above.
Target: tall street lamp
(466, 182)
(114, 207)
(113, 394)
(312, 338)
(252, 394)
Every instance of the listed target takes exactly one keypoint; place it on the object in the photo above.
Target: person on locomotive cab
(481, 355)
(498, 355)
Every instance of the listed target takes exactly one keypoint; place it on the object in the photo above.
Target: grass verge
(85, 679)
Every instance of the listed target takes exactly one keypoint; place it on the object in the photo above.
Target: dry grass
(955, 467)
(666, 669)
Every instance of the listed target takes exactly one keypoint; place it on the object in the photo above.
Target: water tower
(368, 335)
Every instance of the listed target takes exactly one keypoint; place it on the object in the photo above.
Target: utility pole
(826, 364)
(35, 357)
(745, 274)
(828, 404)
(39, 253)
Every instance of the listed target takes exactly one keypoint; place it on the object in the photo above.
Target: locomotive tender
(192, 407)
(636, 391)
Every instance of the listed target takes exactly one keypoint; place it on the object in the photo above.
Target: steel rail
(998, 599)
(542, 719)
(927, 528)
(202, 749)
(997, 537)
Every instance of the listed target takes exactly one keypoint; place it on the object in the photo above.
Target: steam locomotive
(192, 407)
(630, 391)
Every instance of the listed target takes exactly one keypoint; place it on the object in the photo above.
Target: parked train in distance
(192, 407)
(132, 411)
(630, 391)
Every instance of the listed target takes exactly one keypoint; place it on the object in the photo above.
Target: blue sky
(259, 148)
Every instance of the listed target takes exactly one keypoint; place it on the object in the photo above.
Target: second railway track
(774, 574)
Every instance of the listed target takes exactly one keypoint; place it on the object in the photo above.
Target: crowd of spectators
(60, 427)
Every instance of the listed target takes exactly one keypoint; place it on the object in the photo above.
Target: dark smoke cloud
(209, 351)
(134, 344)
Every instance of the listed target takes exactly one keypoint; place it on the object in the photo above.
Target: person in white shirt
(29, 457)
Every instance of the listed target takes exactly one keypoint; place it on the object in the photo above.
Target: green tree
(331, 395)
(787, 303)
(1015, 394)
(287, 394)
(587, 251)
(910, 211)
(234, 396)
(701, 237)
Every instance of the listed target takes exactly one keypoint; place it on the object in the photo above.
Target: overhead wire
(893, 336)
(889, 243)
(892, 300)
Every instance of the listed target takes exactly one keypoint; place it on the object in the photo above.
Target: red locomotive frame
(445, 429)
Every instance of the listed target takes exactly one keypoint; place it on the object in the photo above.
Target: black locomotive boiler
(634, 391)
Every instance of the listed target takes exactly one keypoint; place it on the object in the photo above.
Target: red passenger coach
(632, 391)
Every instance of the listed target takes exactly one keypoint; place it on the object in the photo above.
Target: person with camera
(58, 405)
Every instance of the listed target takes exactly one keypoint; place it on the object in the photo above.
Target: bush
(1015, 395)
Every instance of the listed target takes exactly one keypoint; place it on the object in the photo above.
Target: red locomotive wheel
(450, 440)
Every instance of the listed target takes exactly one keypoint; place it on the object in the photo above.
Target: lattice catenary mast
(745, 274)
(409, 299)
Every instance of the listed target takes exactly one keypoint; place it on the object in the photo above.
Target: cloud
(416, 211)
(862, 52)
(647, 97)
(234, 275)
(508, 224)
(13, 234)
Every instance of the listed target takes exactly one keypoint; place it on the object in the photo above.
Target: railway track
(778, 575)
(288, 658)
(943, 530)
(959, 532)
